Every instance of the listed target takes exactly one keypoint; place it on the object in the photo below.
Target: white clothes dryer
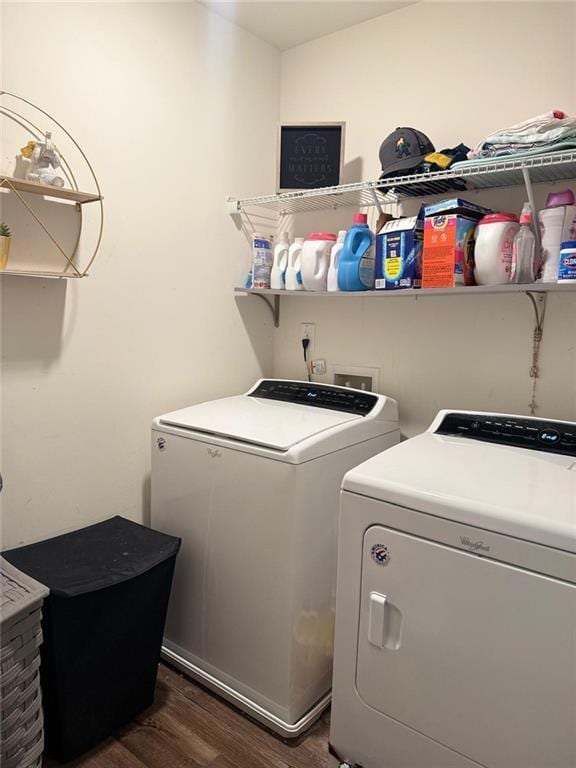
(456, 600)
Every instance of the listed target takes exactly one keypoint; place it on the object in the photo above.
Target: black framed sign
(310, 156)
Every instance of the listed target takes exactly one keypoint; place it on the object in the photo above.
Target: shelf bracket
(376, 200)
(274, 307)
(236, 213)
(538, 299)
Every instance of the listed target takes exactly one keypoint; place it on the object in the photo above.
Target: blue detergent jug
(356, 267)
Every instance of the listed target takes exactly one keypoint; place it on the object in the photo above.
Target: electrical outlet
(318, 367)
(308, 331)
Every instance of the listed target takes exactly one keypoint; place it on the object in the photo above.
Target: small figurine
(44, 160)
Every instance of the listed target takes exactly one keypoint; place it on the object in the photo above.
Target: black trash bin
(103, 624)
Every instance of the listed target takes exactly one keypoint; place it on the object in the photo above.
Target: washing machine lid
(263, 422)
(528, 493)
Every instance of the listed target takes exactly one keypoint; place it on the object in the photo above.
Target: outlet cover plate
(308, 331)
(318, 367)
(354, 370)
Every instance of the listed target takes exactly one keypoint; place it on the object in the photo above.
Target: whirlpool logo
(380, 554)
(474, 546)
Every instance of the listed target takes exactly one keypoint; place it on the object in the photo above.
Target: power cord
(305, 345)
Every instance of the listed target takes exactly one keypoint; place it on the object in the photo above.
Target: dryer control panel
(318, 395)
(535, 434)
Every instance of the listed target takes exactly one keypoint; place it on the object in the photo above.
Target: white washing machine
(456, 600)
(251, 484)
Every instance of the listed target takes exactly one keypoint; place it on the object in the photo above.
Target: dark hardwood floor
(188, 727)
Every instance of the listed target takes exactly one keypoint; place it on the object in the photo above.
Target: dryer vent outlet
(354, 381)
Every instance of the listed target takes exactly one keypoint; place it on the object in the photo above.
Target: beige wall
(176, 108)
(457, 72)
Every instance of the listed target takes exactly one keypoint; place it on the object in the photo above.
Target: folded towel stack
(543, 133)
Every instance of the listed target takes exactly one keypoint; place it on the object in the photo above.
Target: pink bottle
(495, 235)
(557, 224)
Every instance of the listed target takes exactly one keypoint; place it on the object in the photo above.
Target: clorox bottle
(356, 263)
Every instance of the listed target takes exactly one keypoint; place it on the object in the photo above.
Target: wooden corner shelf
(71, 275)
(62, 193)
(59, 225)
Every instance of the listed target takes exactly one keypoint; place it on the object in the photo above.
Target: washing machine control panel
(538, 435)
(317, 395)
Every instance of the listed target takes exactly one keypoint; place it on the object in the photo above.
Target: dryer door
(475, 654)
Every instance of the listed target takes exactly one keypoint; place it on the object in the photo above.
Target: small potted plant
(5, 236)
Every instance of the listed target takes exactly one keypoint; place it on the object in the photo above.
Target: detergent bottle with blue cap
(357, 263)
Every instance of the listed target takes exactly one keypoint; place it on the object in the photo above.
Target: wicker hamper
(21, 722)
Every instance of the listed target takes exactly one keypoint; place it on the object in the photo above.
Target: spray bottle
(523, 268)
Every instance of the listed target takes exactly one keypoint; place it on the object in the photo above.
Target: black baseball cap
(403, 150)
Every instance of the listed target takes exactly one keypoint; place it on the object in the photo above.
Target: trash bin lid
(95, 557)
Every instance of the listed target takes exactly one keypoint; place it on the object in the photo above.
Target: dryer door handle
(376, 619)
(384, 622)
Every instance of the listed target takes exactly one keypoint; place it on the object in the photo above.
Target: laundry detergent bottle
(356, 262)
(334, 260)
(316, 260)
(280, 264)
(293, 278)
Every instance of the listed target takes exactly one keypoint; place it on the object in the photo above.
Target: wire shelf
(469, 290)
(508, 172)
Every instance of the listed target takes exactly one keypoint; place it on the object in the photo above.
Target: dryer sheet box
(399, 253)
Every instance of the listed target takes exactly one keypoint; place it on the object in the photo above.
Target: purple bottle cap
(556, 199)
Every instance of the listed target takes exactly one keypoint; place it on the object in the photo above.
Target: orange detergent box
(448, 254)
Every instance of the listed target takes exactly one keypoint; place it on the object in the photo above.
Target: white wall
(176, 108)
(457, 72)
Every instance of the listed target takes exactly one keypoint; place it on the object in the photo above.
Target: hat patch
(402, 148)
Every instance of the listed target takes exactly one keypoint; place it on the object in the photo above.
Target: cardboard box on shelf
(399, 253)
(448, 254)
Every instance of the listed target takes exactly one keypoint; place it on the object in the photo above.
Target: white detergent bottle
(293, 275)
(316, 259)
(334, 259)
(280, 263)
